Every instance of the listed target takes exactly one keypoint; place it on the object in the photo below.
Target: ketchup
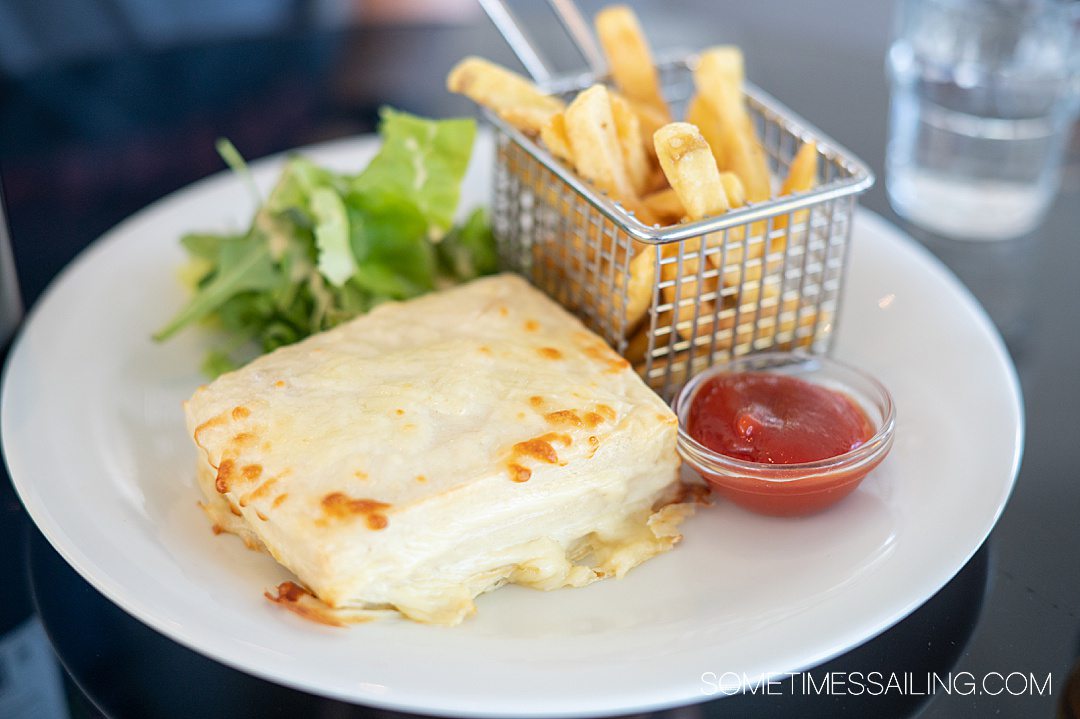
(775, 419)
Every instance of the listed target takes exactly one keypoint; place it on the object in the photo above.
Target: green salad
(324, 247)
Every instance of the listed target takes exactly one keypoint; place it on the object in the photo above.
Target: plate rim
(87, 568)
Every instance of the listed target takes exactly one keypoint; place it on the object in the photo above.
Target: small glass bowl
(792, 489)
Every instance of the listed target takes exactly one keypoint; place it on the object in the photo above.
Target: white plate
(95, 442)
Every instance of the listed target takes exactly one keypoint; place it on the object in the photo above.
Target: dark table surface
(84, 145)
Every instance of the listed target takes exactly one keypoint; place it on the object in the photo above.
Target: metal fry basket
(674, 300)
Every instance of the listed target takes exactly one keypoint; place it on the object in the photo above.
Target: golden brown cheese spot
(550, 353)
(521, 415)
(226, 472)
(216, 529)
(519, 473)
(503, 311)
(243, 439)
(531, 325)
(593, 419)
(607, 356)
(484, 350)
(538, 448)
(360, 474)
(209, 424)
(212, 422)
(289, 592)
(399, 412)
(408, 427)
(279, 500)
(303, 603)
(421, 478)
(251, 471)
(235, 510)
(341, 506)
(563, 439)
(536, 401)
(564, 416)
(240, 413)
(259, 492)
(280, 383)
(594, 441)
(260, 515)
(606, 411)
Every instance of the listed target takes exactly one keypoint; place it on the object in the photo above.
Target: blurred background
(106, 105)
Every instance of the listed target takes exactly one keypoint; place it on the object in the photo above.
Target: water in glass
(983, 97)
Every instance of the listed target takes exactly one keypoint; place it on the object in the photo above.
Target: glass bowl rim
(710, 461)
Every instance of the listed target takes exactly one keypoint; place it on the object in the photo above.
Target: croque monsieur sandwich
(432, 450)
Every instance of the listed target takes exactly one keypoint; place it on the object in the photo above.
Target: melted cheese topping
(436, 449)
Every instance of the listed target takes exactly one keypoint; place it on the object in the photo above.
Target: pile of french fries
(623, 141)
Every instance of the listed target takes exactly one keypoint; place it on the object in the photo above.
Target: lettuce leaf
(336, 261)
(423, 161)
(326, 246)
(469, 250)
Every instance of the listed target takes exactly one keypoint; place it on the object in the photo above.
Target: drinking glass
(984, 94)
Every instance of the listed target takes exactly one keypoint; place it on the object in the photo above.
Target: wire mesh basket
(676, 299)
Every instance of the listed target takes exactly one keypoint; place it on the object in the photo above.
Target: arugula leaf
(424, 161)
(217, 362)
(235, 161)
(204, 245)
(244, 264)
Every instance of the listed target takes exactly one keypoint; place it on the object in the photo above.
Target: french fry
(736, 194)
(650, 119)
(628, 130)
(639, 288)
(691, 169)
(718, 78)
(507, 94)
(722, 62)
(594, 142)
(657, 180)
(802, 176)
(699, 113)
(637, 347)
(802, 173)
(743, 158)
(665, 204)
(629, 57)
(731, 299)
(733, 188)
(741, 340)
(640, 210)
(553, 134)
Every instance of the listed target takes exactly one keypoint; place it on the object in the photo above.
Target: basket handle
(573, 23)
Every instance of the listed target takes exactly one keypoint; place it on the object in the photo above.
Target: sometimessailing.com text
(876, 684)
